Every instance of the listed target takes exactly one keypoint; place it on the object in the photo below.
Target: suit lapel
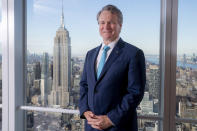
(112, 57)
(93, 62)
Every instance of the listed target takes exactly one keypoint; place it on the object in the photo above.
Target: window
(34, 49)
(186, 70)
(53, 71)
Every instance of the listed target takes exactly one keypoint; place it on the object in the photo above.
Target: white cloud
(44, 6)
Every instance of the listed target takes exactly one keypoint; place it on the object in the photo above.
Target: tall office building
(153, 81)
(37, 70)
(44, 78)
(51, 70)
(184, 60)
(61, 67)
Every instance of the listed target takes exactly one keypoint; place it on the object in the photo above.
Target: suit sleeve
(83, 102)
(135, 90)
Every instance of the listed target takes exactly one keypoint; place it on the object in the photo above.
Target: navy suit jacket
(119, 89)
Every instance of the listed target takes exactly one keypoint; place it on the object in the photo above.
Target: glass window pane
(145, 35)
(186, 74)
(57, 42)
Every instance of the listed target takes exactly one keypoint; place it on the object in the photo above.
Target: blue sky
(140, 24)
(187, 27)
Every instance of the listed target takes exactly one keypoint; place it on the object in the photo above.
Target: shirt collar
(112, 44)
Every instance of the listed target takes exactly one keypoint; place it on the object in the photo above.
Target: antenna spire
(62, 16)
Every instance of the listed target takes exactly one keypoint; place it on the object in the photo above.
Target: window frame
(13, 50)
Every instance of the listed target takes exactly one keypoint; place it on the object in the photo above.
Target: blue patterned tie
(102, 61)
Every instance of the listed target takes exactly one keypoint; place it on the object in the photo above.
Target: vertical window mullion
(13, 54)
(162, 64)
(173, 62)
(165, 62)
(5, 64)
(168, 51)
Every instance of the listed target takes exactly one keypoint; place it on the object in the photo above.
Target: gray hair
(114, 10)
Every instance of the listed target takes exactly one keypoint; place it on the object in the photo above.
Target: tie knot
(106, 48)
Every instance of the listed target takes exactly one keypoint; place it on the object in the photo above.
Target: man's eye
(112, 22)
(102, 23)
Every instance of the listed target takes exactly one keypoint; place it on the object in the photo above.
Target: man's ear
(120, 26)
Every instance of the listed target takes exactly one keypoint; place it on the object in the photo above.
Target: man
(113, 79)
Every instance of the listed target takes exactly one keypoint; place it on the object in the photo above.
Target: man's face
(109, 27)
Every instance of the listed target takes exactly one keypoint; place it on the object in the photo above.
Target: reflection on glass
(148, 125)
(186, 72)
(186, 127)
(42, 121)
(53, 73)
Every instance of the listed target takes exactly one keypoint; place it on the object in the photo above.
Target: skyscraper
(44, 78)
(61, 66)
(37, 70)
(153, 81)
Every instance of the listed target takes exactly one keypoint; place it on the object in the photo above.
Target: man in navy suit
(113, 79)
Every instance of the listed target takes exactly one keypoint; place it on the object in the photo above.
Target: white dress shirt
(111, 45)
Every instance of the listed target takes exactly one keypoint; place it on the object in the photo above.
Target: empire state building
(61, 67)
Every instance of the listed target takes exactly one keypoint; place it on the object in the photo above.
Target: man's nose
(107, 26)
